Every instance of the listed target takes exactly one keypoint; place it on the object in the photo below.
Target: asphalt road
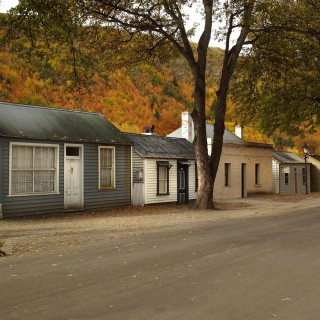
(254, 268)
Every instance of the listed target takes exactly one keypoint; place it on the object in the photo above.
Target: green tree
(145, 26)
(278, 84)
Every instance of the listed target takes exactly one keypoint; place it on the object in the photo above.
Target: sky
(5, 5)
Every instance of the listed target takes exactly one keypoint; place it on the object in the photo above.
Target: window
(257, 174)
(227, 171)
(182, 179)
(106, 167)
(286, 178)
(196, 176)
(304, 176)
(163, 168)
(33, 169)
(72, 151)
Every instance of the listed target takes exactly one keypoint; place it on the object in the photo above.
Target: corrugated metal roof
(153, 146)
(228, 137)
(33, 122)
(287, 157)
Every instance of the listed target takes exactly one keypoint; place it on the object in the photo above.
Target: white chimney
(238, 130)
(209, 144)
(187, 126)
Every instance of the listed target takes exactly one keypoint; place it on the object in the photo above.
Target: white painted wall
(150, 167)
(192, 181)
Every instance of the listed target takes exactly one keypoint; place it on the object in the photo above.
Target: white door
(73, 182)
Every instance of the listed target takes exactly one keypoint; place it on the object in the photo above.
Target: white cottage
(289, 173)
(163, 170)
(245, 167)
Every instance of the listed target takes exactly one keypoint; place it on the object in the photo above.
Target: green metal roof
(33, 122)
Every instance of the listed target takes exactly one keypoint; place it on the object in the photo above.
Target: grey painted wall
(94, 199)
(295, 183)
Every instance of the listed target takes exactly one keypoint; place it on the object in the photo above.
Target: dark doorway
(183, 187)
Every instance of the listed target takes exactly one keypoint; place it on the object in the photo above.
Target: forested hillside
(131, 98)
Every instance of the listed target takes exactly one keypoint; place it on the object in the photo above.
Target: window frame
(113, 172)
(257, 174)
(168, 166)
(227, 174)
(286, 178)
(56, 169)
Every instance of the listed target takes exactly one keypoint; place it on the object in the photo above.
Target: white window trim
(113, 169)
(55, 146)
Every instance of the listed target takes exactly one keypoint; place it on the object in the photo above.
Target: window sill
(257, 185)
(33, 194)
(163, 194)
(107, 188)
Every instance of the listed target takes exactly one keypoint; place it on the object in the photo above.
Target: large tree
(159, 23)
(278, 86)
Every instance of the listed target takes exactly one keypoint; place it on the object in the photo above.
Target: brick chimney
(187, 126)
(149, 129)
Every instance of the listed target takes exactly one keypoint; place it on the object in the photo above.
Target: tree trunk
(219, 127)
(205, 173)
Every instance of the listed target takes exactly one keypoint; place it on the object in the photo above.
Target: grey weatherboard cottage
(54, 160)
(164, 170)
(289, 174)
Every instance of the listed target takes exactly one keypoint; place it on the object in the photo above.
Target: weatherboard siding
(13, 206)
(151, 196)
(94, 199)
(192, 181)
(295, 183)
(275, 176)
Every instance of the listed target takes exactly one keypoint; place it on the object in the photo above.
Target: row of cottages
(290, 174)
(54, 160)
(164, 170)
(245, 167)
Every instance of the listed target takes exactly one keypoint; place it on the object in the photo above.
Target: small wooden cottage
(245, 167)
(289, 173)
(163, 170)
(54, 160)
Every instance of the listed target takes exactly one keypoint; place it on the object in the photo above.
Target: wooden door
(73, 186)
(183, 184)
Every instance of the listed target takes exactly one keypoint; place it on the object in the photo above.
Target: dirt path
(25, 235)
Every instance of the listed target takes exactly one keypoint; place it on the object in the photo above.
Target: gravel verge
(48, 233)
